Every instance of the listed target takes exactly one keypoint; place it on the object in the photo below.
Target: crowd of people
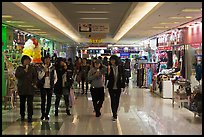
(58, 77)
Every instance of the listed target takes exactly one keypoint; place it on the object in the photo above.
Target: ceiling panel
(116, 12)
(144, 29)
(9, 8)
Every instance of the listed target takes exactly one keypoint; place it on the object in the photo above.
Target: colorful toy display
(33, 50)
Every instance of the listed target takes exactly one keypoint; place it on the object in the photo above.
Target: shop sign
(95, 40)
(93, 28)
(196, 45)
(124, 55)
(165, 48)
(84, 27)
(100, 28)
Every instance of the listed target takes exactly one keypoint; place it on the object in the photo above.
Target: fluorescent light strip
(187, 17)
(39, 32)
(110, 45)
(160, 27)
(94, 18)
(6, 16)
(163, 23)
(25, 26)
(141, 9)
(97, 47)
(49, 13)
(10, 21)
(32, 29)
(92, 12)
(192, 10)
(92, 3)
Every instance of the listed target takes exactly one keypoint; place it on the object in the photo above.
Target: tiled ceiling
(114, 13)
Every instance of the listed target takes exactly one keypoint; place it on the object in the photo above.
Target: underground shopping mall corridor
(140, 113)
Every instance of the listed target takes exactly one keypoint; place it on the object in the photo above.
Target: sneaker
(68, 112)
(114, 119)
(98, 114)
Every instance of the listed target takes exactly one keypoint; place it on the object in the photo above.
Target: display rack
(14, 56)
(149, 69)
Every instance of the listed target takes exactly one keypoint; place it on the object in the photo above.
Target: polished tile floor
(140, 113)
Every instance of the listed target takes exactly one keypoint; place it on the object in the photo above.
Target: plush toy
(33, 50)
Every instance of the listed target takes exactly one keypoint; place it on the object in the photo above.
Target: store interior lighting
(6, 16)
(49, 14)
(92, 12)
(140, 10)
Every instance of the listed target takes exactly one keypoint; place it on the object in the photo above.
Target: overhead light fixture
(192, 10)
(49, 14)
(94, 18)
(92, 12)
(6, 16)
(182, 17)
(188, 17)
(92, 3)
(97, 47)
(140, 10)
(160, 27)
(164, 23)
(32, 29)
(25, 26)
(39, 32)
(15, 21)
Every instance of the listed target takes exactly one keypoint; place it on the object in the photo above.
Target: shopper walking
(27, 77)
(83, 72)
(116, 79)
(95, 75)
(60, 87)
(127, 71)
(48, 77)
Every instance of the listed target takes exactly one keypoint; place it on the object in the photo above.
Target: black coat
(120, 80)
(26, 80)
(58, 85)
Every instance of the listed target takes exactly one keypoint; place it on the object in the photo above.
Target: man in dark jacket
(26, 76)
(116, 82)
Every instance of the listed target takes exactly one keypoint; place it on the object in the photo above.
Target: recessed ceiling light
(92, 12)
(188, 17)
(94, 18)
(192, 10)
(92, 3)
(25, 26)
(6, 16)
(15, 21)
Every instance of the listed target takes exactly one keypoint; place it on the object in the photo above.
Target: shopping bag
(71, 98)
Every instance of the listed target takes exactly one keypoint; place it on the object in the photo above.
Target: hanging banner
(100, 28)
(84, 27)
(93, 28)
